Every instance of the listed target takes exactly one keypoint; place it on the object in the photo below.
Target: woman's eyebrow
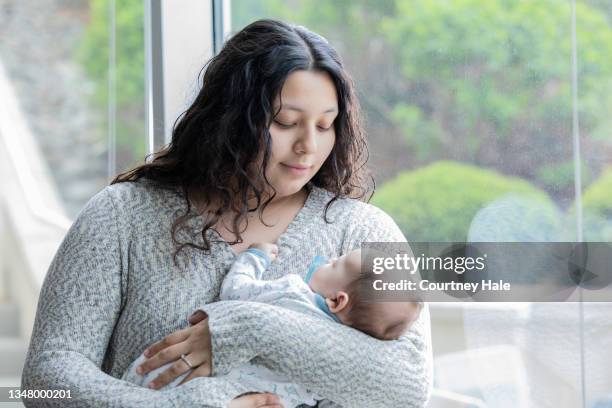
(296, 108)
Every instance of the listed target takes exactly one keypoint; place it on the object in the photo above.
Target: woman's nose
(307, 143)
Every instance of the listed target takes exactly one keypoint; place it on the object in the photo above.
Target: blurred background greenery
(92, 53)
(465, 100)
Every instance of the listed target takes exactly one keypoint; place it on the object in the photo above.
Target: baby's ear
(338, 302)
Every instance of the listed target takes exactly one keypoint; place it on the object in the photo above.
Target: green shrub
(438, 202)
(93, 54)
(93, 51)
(560, 176)
(597, 198)
(597, 209)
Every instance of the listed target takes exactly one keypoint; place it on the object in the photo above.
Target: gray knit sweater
(113, 289)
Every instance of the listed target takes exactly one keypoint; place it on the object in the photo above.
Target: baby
(330, 290)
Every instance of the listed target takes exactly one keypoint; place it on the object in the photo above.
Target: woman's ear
(338, 302)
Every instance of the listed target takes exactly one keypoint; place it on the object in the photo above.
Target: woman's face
(303, 132)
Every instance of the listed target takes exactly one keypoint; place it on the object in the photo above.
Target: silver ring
(184, 358)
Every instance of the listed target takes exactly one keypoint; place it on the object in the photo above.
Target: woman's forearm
(79, 305)
(90, 387)
(334, 361)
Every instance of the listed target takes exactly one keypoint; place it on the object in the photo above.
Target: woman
(271, 150)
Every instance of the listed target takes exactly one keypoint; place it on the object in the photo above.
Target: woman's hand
(192, 342)
(256, 401)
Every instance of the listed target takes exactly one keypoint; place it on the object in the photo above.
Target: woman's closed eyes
(290, 125)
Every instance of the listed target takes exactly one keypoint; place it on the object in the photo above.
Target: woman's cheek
(328, 148)
(280, 145)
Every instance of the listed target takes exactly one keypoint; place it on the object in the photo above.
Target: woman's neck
(277, 204)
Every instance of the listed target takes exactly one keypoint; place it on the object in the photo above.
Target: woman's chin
(289, 189)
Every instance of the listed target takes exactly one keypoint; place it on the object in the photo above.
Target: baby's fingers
(260, 400)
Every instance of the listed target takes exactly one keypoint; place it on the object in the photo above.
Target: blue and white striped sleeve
(243, 280)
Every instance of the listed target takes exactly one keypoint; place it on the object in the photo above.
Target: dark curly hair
(224, 132)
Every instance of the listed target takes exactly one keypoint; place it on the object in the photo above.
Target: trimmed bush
(597, 198)
(597, 209)
(439, 202)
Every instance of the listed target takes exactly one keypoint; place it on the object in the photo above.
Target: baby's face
(336, 274)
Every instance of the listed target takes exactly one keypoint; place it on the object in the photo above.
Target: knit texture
(113, 289)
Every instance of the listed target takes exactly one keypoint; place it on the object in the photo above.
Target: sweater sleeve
(79, 304)
(337, 362)
(244, 276)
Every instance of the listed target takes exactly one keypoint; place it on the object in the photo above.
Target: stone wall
(37, 48)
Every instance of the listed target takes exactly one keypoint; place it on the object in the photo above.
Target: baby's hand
(268, 248)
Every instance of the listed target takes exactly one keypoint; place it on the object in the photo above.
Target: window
(470, 118)
(80, 86)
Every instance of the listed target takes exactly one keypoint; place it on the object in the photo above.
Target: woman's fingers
(176, 369)
(202, 370)
(193, 341)
(169, 340)
(162, 357)
(197, 316)
(190, 377)
(197, 359)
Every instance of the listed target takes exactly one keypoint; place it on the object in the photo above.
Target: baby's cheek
(345, 279)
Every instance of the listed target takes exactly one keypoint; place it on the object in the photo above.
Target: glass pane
(594, 50)
(57, 117)
(56, 57)
(111, 53)
(469, 119)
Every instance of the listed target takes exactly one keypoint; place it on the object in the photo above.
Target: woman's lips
(296, 169)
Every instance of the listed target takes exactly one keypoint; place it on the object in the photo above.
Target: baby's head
(339, 281)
